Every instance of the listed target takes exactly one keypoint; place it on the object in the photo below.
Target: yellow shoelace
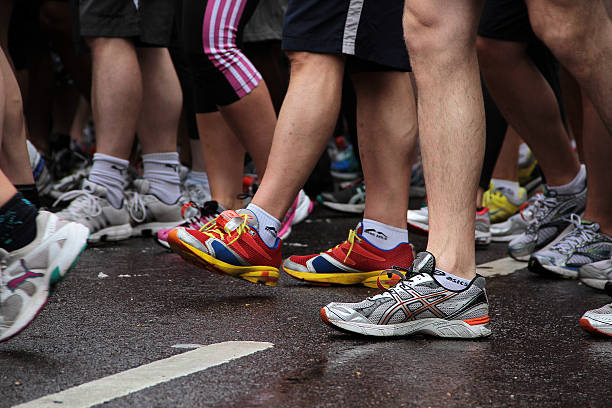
(351, 240)
(210, 229)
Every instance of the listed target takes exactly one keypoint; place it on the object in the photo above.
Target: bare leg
(597, 154)
(529, 105)
(387, 129)
(579, 33)
(161, 102)
(14, 159)
(224, 157)
(116, 95)
(441, 38)
(506, 167)
(307, 119)
(252, 119)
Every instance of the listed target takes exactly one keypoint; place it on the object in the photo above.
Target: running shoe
(197, 192)
(502, 202)
(148, 213)
(551, 213)
(596, 274)
(355, 261)
(300, 209)
(195, 218)
(514, 226)
(418, 222)
(90, 207)
(529, 173)
(598, 321)
(230, 245)
(582, 245)
(344, 165)
(482, 227)
(42, 178)
(68, 183)
(418, 304)
(350, 199)
(28, 273)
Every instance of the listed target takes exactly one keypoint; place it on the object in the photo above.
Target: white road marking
(187, 346)
(148, 375)
(500, 267)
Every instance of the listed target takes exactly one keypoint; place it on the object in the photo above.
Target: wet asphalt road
(94, 327)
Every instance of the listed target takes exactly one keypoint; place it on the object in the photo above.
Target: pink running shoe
(300, 209)
(195, 219)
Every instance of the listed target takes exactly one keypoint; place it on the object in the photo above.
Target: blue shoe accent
(322, 265)
(223, 254)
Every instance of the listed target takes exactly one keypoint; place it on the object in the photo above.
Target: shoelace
(540, 208)
(579, 235)
(83, 201)
(405, 275)
(350, 240)
(137, 208)
(210, 229)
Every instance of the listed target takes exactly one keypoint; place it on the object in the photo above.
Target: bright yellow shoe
(501, 206)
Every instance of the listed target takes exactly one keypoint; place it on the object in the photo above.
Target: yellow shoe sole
(368, 279)
(266, 275)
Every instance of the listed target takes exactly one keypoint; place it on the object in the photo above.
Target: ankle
(454, 263)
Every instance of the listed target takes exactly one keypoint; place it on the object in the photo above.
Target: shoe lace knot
(576, 238)
(221, 227)
(137, 207)
(83, 202)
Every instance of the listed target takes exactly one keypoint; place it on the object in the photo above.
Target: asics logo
(377, 234)
(16, 282)
(457, 281)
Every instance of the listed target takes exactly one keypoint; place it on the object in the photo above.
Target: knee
(307, 61)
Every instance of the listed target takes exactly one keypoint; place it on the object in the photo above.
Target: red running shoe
(230, 244)
(355, 261)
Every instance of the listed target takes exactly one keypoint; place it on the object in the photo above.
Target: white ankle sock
(268, 225)
(110, 173)
(450, 281)
(510, 189)
(162, 172)
(381, 235)
(575, 186)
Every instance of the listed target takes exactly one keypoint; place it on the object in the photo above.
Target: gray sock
(110, 172)
(162, 172)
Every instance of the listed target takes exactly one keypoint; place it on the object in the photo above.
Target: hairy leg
(441, 38)
(307, 119)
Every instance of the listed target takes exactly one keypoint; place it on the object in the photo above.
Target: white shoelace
(577, 237)
(540, 207)
(137, 208)
(83, 202)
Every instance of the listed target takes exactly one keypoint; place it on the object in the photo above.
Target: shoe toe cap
(341, 312)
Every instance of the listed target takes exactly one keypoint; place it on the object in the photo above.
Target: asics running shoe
(195, 218)
(90, 207)
(28, 273)
(596, 274)
(502, 202)
(598, 321)
(418, 304)
(583, 245)
(230, 244)
(351, 199)
(418, 222)
(551, 212)
(355, 261)
(149, 214)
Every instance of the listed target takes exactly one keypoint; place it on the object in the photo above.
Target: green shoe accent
(56, 276)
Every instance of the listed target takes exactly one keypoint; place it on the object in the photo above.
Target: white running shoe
(303, 209)
(596, 274)
(418, 304)
(511, 228)
(42, 177)
(28, 273)
(149, 214)
(197, 192)
(418, 222)
(598, 321)
(90, 207)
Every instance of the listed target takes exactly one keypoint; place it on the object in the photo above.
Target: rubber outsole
(586, 325)
(550, 270)
(368, 279)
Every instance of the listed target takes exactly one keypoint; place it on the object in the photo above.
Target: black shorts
(150, 24)
(370, 30)
(506, 20)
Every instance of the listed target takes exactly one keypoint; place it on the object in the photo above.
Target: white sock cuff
(111, 159)
(255, 209)
(170, 157)
(381, 225)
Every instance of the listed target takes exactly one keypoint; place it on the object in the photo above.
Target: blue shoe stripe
(223, 254)
(322, 265)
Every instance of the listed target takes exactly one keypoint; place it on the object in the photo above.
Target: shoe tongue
(424, 263)
(229, 220)
(252, 220)
(142, 186)
(94, 188)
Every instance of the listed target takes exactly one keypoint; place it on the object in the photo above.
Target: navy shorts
(369, 30)
(506, 20)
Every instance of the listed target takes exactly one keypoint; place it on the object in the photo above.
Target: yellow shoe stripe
(348, 278)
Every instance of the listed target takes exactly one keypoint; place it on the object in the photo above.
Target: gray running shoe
(482, 228)
(149, 214)
(583, 245)
(598, 321)
(418, 304)
(551, 212)
(71, 182)
(90, 207)
(350, 199)
(27, 274)
(196, 191)
(596, 274)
